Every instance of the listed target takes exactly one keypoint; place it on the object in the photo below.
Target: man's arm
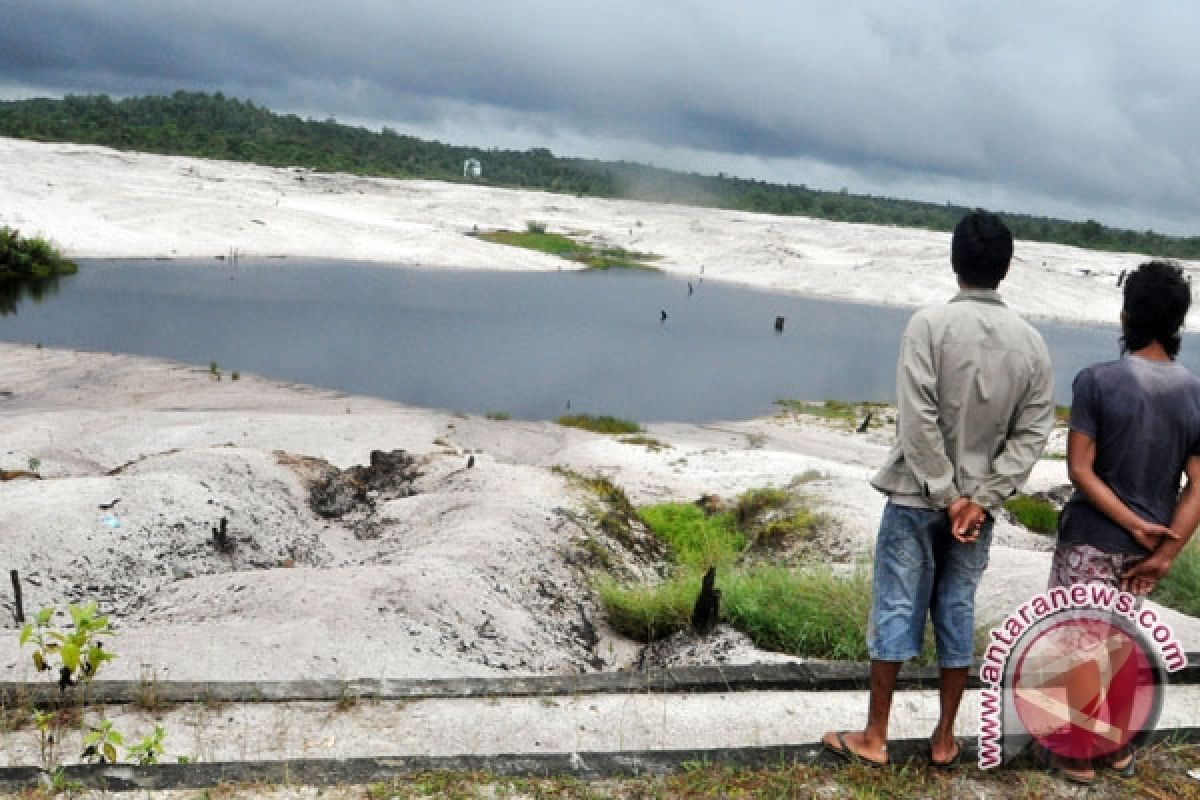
(1142, 578)
(1081, 462)
(1025, 441)
(918, 434)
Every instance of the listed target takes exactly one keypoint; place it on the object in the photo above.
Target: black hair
(981, 250)
(1157, 298)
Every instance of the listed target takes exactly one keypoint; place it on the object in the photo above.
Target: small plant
(42, 720)
(34, 463)
(101, 742)
(146, 752)
(76, 654)
(60, 784)
(346, 701)
(145, 694)
(533, 226)
(235, 376)
(498, 415)
(214, 369)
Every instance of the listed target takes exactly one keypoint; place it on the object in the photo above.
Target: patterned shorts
(1082, 563)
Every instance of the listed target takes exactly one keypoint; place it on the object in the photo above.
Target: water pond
(530, 345)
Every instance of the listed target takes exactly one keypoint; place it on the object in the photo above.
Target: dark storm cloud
(1069, 108)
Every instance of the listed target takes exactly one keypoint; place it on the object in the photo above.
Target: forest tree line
(216, 126)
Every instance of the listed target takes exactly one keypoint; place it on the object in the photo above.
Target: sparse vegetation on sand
(852, 414)
(803, 609)
(599, 424)
(535, 237)
(648, 442)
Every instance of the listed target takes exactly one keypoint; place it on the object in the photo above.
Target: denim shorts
(921, 569)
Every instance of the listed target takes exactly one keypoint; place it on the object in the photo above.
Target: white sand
(483, 571)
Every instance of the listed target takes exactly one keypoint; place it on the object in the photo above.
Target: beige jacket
(975, 394)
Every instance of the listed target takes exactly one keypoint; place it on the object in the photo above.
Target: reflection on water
(14, 290)
(523, 343)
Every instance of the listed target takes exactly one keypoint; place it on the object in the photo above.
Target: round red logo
(1085, 685)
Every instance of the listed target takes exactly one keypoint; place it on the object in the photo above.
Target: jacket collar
(990, 296)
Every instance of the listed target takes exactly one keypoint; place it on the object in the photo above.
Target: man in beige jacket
(975, 396)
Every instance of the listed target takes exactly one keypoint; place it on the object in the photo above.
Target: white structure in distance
(472, 168)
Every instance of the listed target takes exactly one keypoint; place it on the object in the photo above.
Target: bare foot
(944, 751)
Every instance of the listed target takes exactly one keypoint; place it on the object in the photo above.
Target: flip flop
(1127, 771)
(844, 752)
(949, 763)
(1050, 762)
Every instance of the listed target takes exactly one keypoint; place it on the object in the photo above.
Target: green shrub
(30, 257)
(1039, 516)
(1180, 587)
(498, 415)
(599, 424)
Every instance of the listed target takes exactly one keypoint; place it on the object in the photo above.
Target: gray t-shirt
(1145, 419)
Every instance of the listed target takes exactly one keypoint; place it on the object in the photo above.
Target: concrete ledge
(787, 677)
(585, 766)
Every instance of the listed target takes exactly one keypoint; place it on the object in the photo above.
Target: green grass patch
(535, 237)
(1039, 516)
(1062, 413)
(599, 424)
(498, 415)
(1180, 587)
(808, 611)
(696, 540)
(649, 612)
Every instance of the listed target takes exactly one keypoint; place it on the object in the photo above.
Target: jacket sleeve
(1031, 426)
(919, 436)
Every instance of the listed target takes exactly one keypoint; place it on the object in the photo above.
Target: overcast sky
(1081, 109)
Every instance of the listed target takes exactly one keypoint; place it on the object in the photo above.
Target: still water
(527, 344)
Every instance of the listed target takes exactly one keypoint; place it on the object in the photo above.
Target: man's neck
(1153, 352)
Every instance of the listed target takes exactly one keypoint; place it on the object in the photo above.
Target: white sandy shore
(481, 571)
(97, 202)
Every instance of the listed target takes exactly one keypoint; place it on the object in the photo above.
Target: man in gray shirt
(975, 396)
